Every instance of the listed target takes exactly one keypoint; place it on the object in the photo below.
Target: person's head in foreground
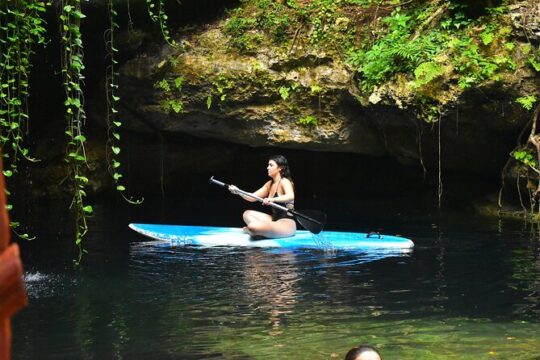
(363, 352)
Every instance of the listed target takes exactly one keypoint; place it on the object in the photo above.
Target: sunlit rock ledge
(305, 98)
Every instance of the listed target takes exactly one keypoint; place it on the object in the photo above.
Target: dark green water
(469, 290)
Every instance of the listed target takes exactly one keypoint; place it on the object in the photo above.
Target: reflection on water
(469, 290)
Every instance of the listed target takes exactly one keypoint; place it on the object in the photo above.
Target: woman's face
(273, 168)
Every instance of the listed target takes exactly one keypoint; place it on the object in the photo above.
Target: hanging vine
(156, 11)
(21, 27)
(72, 67)
(113, 122)
(439, 178)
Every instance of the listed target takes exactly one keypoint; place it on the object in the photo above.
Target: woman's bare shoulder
(286, 182)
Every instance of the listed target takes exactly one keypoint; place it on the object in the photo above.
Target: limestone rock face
(305, 98)
(257, 101)
(526, 19)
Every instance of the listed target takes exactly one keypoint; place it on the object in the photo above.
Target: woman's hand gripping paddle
(312, 220)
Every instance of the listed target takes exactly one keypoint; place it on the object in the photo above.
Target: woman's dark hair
(357, 351)
(282, 162)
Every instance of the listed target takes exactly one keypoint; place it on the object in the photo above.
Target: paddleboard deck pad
(207, 236)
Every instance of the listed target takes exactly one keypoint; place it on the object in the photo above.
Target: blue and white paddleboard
(180, 235)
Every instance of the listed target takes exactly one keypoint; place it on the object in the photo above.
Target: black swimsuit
(280, 214)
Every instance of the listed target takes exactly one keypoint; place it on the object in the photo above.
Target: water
(469, 290)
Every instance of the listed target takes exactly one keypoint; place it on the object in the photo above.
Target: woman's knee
(285, 228)
(252, 215)
(285, 232)
(272, 229)
(248, 216)
(255, 226)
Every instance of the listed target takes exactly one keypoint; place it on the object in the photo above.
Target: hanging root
(440, 187)
(533, 139)
(419, 127)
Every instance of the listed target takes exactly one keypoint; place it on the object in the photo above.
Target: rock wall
(296, 98)
(308, 99)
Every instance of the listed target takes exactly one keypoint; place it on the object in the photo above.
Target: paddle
(312, 220)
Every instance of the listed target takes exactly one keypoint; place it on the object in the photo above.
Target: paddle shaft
(274, 205)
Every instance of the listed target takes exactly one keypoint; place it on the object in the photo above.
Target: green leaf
(524, 157)
(178, 82)
(315, 89)
(284, 92)
(83, 179)
(209, 102)
(426, 72)
(487, 37)
(510, 46)
(88, 209)
(115, 150)
(72, 102)
(120, 188)
(78, 14)
(527, 101)
(176, 105)
(308, 120)
(8, 173)
(535, 64)
(163, 85)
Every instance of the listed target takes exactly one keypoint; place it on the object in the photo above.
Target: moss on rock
(318, 74)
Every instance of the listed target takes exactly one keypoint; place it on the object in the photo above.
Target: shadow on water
(468, 290)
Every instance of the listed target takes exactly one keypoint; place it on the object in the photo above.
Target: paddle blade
(311, 220)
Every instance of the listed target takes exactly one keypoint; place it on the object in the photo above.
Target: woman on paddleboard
(279, 189)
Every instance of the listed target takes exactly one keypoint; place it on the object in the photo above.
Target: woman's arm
(262, 192)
